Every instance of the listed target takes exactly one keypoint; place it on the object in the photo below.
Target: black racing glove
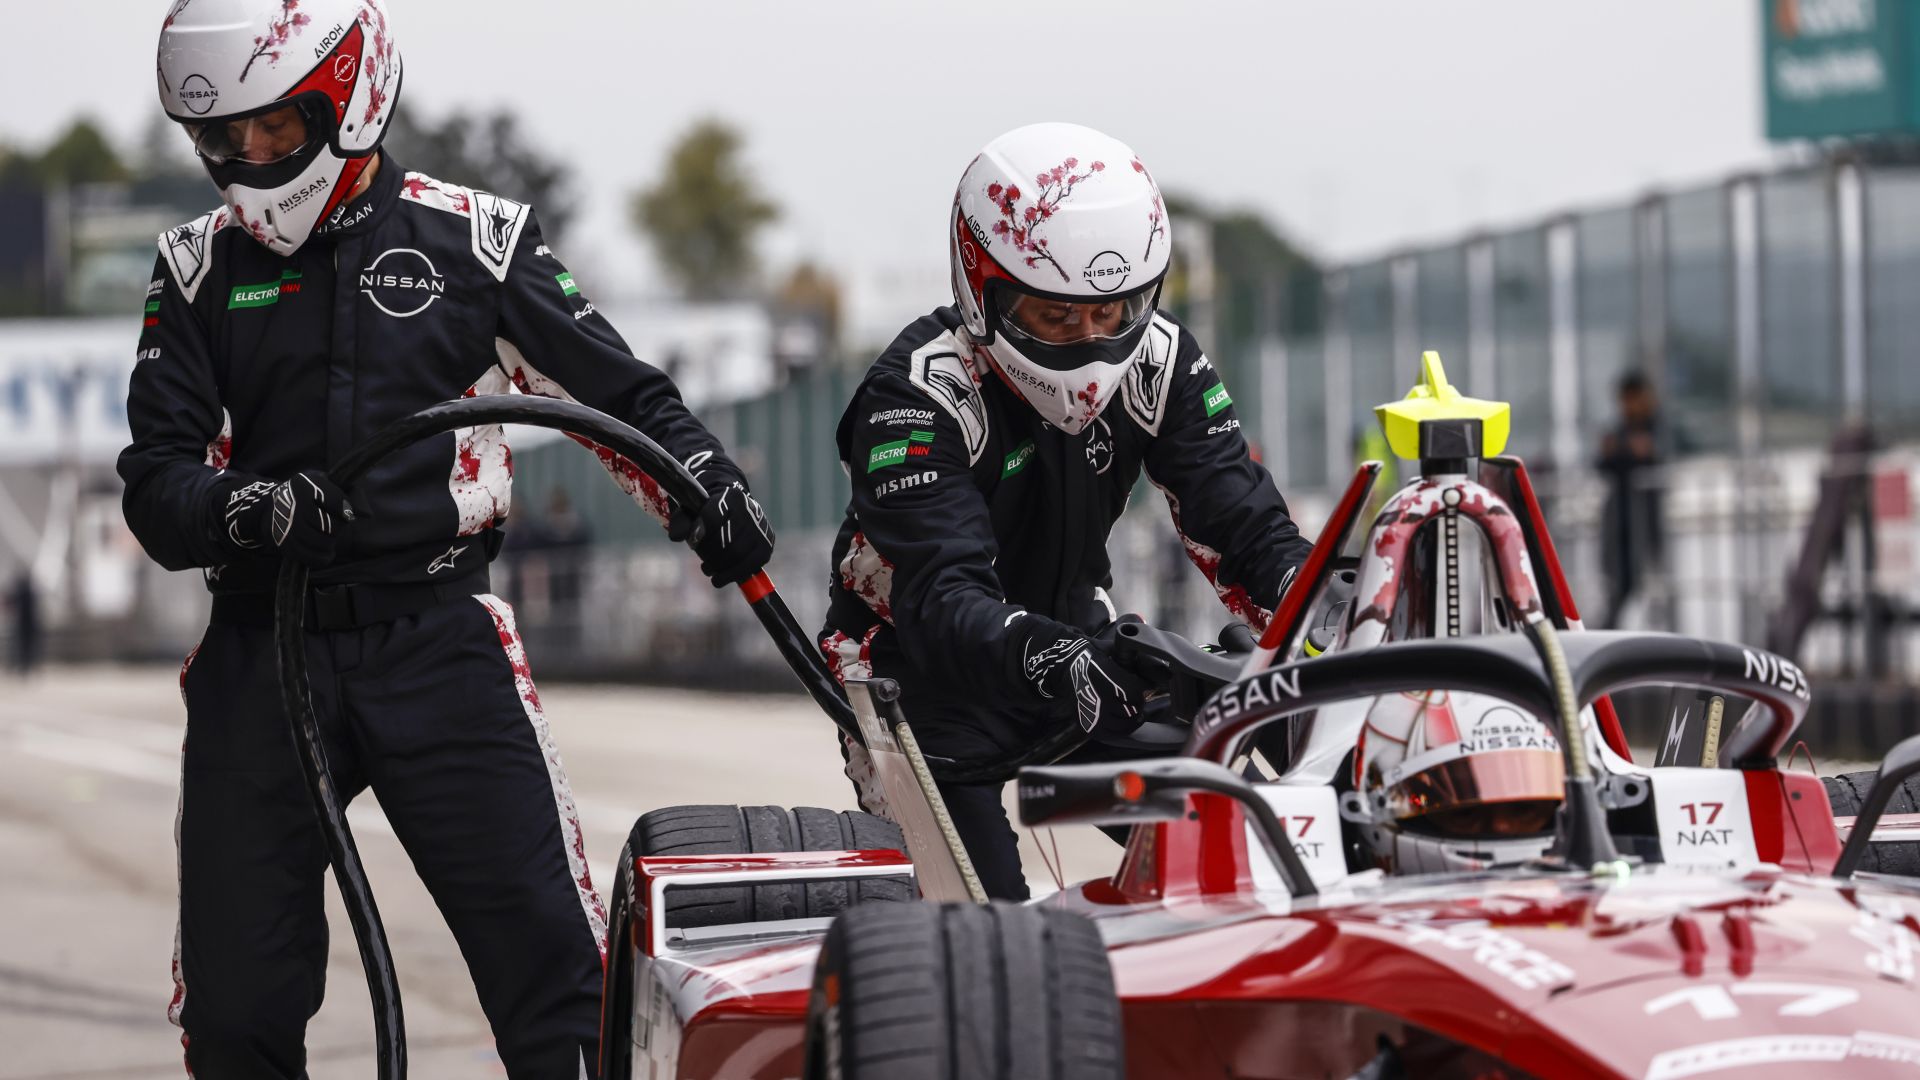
(729, 532)
(1063, 664)
(300, 519)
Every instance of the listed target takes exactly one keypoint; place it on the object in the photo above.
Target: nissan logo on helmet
(1107, 271)
(197, 95)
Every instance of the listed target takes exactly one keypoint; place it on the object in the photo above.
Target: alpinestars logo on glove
(755, 514)
(1038, 665)
(284, 506)
(1088, 681)
(238, 504)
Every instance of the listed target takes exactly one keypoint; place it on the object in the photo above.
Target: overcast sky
(1355, 126)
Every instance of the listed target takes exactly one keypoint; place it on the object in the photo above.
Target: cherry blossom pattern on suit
(867, 574)
(1233, 597)
(632, 480)
(853, 659)
(570, 834)
(481, 482)
(425, 190)
(848, 657)
(178, 1003)
(219, 453)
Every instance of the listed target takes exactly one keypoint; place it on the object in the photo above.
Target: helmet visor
(263, 137)
(1050, 320)
(1483, 779)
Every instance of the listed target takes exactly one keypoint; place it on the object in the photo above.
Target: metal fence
(1767, 311)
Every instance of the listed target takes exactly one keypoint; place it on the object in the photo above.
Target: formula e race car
(1276, 912)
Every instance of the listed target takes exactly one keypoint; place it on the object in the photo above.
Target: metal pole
(1481, 334)
(1404, 275)
(1563, 337)
(1745, 252)
(1339, 381)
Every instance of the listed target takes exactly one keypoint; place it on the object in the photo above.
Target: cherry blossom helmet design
(228, 70)
(1059, 243)
(1456, 782)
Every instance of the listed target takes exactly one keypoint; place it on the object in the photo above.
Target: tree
(703, 214)
(1238, 283)
(486, 152)
(1260, 282)
(164, 152)
(1272, 286)
(79, 156)
(813, 292)
(18, 169)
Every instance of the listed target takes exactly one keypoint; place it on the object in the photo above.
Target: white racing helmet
(1456, 782)
(230, 70)
(1059, 245)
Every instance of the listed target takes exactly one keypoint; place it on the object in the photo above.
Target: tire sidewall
(616, 992)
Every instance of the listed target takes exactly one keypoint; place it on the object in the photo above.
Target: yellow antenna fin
(1433, 400)
(1433, 378)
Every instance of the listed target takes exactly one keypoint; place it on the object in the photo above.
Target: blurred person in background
(549, 556)
(994, 444)
(331, 295)
(23, 604)
(1633, 519)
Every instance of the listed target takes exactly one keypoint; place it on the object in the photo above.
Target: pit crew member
(993, 445)
(332, 294)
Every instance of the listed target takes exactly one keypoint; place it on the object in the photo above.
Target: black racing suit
(256, 366)
(967, 507)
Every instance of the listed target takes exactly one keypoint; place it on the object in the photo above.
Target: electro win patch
(1217, 398)
(1017, 460)
(266, 295)
(916, 444)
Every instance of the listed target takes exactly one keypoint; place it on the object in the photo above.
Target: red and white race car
(1685, 921)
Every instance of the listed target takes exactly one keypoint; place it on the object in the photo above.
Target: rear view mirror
(1131, 792)
(1121, 793)
(1901, 762)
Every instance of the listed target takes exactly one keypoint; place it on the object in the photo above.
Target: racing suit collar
(362, 213)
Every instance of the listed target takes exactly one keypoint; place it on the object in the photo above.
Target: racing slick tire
(758, 830)
(732, 830)
(1848, 790)
(984, 991)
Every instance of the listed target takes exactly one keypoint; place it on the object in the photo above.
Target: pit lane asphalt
(89, 773)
